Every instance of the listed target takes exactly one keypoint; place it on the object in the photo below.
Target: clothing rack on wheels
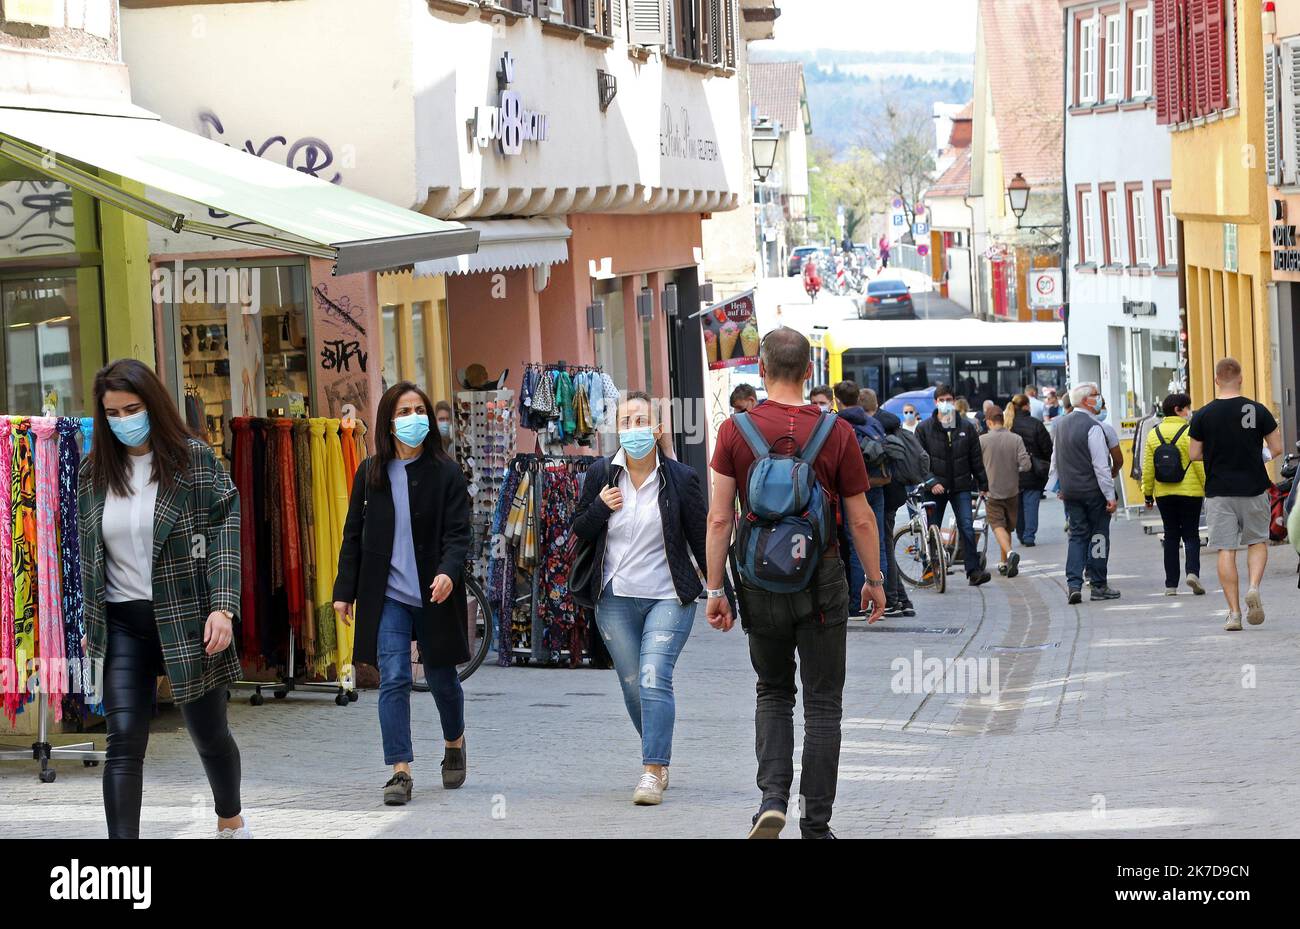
(42, 622)
(537, 620)
(294, 477)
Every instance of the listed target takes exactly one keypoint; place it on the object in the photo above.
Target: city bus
(979, 360)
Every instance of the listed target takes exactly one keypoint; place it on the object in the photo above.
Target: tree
(904, 148)
(852, 182)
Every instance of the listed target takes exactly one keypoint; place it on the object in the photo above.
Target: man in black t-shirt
(1229, 435)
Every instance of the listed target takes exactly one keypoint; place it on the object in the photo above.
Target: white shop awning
(300, 213)
(506, 244)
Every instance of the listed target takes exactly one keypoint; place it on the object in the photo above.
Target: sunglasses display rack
(485, 432)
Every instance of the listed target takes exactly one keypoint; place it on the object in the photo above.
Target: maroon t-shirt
(839, 465)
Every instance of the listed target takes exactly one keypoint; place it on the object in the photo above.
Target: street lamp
(1018, 194)
(765, 138)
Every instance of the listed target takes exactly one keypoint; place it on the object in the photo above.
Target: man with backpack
(791, 464)
(957, 466)
(870, 433)
(1175, 484)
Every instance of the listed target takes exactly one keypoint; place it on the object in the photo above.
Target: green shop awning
(301, 213)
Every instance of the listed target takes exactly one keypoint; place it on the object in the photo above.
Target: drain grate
(920, 630)
(584, 693)
(1022, 648)
(551, 706)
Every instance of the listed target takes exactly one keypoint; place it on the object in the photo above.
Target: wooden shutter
(616, 22)
(1161, 36)
(1179, 62)
(733, 32)
(1216, 61)
(646, 22)
(716, 53)
(1200, 43)
(1289, 142)
(1272, 113)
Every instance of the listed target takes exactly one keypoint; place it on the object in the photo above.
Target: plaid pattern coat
(196, 561)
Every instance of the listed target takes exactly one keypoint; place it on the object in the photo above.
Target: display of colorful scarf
(290, 531)
(326, 555)
(555, 606)
(22, 499)
(349, 448)
(9, 692)
(49, 589)
(338, 496)
(306, 537)
(87, 434)
(501, 569)
(242, 474)
(74, 619)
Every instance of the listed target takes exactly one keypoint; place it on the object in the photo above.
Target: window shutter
(1272, 127)
(1200, 57)
(1216, 61)
(646, 22)
(1289, 144)
(1161, 82)
(733, 32)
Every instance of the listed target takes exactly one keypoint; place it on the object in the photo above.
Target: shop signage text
(508, 123)
(1286, 257)
(676, 141)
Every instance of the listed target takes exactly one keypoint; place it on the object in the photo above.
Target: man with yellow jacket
(1176, 485)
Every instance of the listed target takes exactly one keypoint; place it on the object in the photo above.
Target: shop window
(43, 358)
(388, 323)
(419, 347)
(243, 345)
(1086, 61)
(1140, 53)
(611, 345)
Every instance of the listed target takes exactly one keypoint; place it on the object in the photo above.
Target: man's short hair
(1081, 392)
(822, 389)
(994, 417)
(785, 354)
(986, 404)
(846, 394)
(1173, 403)
(1227, 370)
(1031, 390)
(867, 400)
(743, 392)
(942, 390)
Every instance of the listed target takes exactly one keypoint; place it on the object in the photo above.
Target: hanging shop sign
(1286, 257)
(730, 332)
(1045, 288)
(509, 123)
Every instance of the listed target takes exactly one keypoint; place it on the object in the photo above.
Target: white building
(778, 94)
(1122, 266)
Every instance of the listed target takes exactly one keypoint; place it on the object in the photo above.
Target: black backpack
(1167, 461)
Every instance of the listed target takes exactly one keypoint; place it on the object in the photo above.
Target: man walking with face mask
(1082, 470)
(957, 469)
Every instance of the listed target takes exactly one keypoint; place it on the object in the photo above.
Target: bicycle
(918, 547)
(951, 536)
(479, 633)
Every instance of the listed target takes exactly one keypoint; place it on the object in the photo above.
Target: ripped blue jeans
(644, 637)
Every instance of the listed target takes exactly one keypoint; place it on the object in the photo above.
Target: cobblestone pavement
(1137, 717)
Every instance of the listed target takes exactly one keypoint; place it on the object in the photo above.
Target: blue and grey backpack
(787, 520)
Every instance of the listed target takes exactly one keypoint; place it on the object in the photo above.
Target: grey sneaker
(1104, 593)
(768, 824)
(1171, 591)
(1233, 624)
(397, 792)
(1254, 607)
(1013, 564)
(1194, 582)
(454, 767)
(649, 790)
(240, 832)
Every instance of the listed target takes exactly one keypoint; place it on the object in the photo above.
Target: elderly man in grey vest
(1081, 470)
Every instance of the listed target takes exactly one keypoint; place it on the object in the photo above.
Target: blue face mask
(445, 429)
(910, 417)
(637, 442)
(411, 430)
(131, 430)
(945, 407)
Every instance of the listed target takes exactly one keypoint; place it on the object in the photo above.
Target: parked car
(887, 300)
(794, 267)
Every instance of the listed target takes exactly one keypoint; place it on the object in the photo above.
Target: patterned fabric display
(74, 620)
(556, 606)
(49, 590)
(22, 484)
(9, 692)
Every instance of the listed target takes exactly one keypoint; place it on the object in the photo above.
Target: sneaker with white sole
(649, 790)
(1171, 591)
(1254, 607)
(1194, 582)
(240, 832)
(1233, 624)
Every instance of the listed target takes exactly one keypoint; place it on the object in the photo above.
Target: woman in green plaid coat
(159, 531)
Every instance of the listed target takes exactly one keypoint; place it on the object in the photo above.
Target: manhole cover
(1022, 648)
(922, 630)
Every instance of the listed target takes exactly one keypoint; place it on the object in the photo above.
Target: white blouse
(128, 535)
(635, 557)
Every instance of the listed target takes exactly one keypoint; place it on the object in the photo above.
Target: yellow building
(1214, 104)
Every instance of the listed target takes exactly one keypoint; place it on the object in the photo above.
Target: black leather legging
(134, 660)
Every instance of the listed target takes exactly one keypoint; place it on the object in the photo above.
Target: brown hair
(1227, 370)
(386, 442)
(846, 392)
(169, 437)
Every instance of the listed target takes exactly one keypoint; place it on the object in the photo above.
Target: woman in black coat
(404, 547)
(1038, 442)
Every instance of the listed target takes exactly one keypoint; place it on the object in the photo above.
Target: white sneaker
(1233, 624)
(665, 777)
(1194, 582)
(1171, 591)
(649, 790)
(242, 832)
(1254, 607)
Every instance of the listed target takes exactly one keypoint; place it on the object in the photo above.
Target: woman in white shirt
(159, 531)
(646, 515)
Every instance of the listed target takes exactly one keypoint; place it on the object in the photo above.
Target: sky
(876, 25)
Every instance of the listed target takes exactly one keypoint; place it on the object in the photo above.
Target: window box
(1086, 268)
(564, 30)
(681, 64)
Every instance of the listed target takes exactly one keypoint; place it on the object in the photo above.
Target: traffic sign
(923, 250)
(920, 228)
(900, 219)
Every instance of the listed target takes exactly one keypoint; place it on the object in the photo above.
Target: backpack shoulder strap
(749, 431)
(821, 432)
(1179, 434)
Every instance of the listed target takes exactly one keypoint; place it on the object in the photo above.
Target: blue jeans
(1027, 518)
(1089, 541)
(395, 626)
(644, 637)
(857, 574)
(961, 506)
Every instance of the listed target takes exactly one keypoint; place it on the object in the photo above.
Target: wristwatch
(716, 594)
(870, 583)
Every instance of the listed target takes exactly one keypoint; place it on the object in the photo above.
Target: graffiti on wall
(35, 217)
(339, 307)
(341, 344)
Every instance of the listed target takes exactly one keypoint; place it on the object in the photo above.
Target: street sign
(920, 209)
(898, 203)
(1045, 288)
(923, 250)
(900, 219)
(920, 229)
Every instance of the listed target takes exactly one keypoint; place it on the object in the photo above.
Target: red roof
(955, 182)
(776, 90)
(1023, 42)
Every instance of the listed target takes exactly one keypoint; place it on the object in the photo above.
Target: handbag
(581, 555)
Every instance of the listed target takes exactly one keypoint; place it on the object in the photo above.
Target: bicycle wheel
(938, 560)
(478, 619)
(910, 556)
